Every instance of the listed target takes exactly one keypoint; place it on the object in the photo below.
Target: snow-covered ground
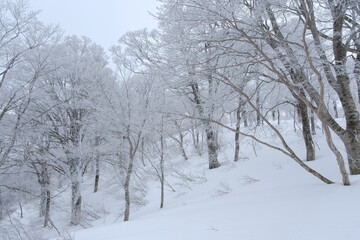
(264, 196)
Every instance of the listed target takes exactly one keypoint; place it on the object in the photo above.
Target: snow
(263, 196)
(263, 210)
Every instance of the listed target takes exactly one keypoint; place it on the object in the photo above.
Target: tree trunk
(44, 181)
(312, 123)
(47, 208)
(127, 188)
(339, 157)
(162, 175)
(357, 66)
(335, 109)
(351, 138)
(244, 117)
(182, 149)
(180, 141)
(1, 206)
(143, 151)
(298, 112)
(97, 173)
(97, 164)
(21, 210)
(273, 114)
(258, 117)
(212, 143)
(352, 146)
(310, 150)
(75, 175)
(212, 146)
(294, 119)
(237, 133)
(42, 199)
(196, 139)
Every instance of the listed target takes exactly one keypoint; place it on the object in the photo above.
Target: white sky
(104, 21)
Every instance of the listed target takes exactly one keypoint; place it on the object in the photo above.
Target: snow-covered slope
(262, 197)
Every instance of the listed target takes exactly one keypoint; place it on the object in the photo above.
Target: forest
(73, 114)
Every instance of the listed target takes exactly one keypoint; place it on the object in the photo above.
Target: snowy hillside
(263, 196)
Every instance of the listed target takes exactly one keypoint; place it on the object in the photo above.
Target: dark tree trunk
(302, 115)
(310, 150)
(97, 164)
(97, 173)
(47, 208)
(21, 210)
(273, 114)
(335, 109)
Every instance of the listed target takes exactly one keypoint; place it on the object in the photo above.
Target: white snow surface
(264, 196)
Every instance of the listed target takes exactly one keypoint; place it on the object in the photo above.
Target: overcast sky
(104, 21)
